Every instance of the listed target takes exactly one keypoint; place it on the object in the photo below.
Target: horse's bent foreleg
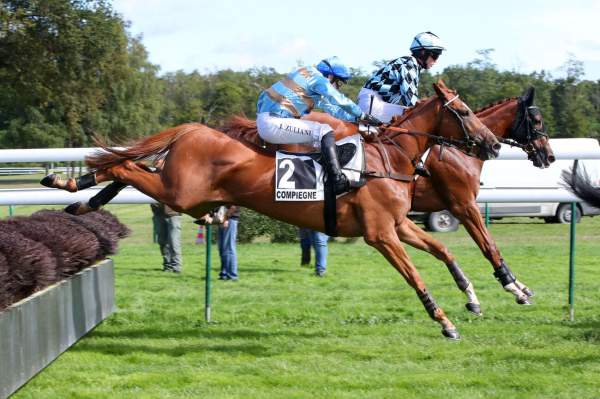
(411, 234)
(386, 241)
(471, 219)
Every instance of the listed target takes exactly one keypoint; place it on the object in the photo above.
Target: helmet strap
(421, 57)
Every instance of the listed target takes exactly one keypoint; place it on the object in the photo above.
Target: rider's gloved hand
(370, 120)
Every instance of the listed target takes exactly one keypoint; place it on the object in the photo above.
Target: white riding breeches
(380, 110)
(277, 130)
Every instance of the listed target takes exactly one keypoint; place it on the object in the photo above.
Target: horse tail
(579, 183)
(152, 147)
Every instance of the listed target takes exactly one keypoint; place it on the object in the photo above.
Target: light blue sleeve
(331, 97)
(336, 111)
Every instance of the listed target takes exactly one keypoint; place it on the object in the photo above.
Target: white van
(521, 174)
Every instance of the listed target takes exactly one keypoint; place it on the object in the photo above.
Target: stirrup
(340, 184)
(422, 171)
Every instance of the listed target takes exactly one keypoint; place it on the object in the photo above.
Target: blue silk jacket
(301, 91)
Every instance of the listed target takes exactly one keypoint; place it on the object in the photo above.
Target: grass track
(358, 333)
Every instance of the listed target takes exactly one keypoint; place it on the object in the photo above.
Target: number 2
(285, 181)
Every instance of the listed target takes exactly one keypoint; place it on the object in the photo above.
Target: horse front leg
(473, 222)
(386, 241)
(411, 234)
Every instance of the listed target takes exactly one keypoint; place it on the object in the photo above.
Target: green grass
(360, 332)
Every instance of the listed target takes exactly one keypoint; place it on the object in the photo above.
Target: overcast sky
(208, 35)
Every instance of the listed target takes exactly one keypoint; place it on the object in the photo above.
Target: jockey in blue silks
(395, 86)
(281, 106)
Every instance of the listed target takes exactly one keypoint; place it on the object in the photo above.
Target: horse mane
(488, 108)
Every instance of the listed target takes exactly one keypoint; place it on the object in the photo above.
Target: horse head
(466, 127)
(529, 131)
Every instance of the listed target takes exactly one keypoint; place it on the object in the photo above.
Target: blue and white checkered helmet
(333, 66)
(427, 41)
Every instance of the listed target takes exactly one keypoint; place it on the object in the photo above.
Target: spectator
(304, 246)
(226, 238)
(318, 240)
(167, 225)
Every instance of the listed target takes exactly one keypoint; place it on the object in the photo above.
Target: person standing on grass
(318, 241)
(167, 226)
(226, 239)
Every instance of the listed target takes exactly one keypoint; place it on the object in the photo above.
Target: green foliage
(253, 225)
(73, 62)
(69, 69)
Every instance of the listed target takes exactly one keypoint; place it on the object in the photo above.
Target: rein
(460, 145)
(467, 143)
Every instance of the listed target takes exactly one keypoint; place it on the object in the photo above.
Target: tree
(71, 65)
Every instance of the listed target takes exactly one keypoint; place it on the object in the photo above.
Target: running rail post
(572, 252)
(207, 282)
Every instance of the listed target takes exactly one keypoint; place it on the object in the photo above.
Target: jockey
(395, 86)
(280, 107)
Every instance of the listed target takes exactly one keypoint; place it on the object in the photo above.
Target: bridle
(523, 132)
(465, 145)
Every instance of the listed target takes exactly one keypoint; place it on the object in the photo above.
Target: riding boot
(332, 165)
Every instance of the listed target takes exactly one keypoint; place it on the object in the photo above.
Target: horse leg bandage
(504, 275)
(86, 181)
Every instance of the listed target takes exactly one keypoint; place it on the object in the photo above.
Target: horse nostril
(497, 147)
(551, 158)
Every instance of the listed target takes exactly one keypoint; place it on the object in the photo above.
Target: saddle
(301, 176)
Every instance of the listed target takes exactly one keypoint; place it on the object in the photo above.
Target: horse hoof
(73, 208)
(474, 308)
(79, 208)
(49, 180)
(524, 301)
(55, 181)
(528, 292)
(451, 334)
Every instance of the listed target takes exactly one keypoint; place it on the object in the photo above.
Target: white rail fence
(568, 149)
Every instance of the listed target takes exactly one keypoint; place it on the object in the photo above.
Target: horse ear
(528, 96)
(440, 88)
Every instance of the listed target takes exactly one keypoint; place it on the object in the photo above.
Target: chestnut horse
(454, 184)
(205, 168)
(455, 181)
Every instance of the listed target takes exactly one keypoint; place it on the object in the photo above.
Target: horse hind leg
(411, 234)
(103, 197)
(71, 184)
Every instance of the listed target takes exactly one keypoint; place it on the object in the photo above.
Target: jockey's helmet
(333, 66)
(427, 41)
